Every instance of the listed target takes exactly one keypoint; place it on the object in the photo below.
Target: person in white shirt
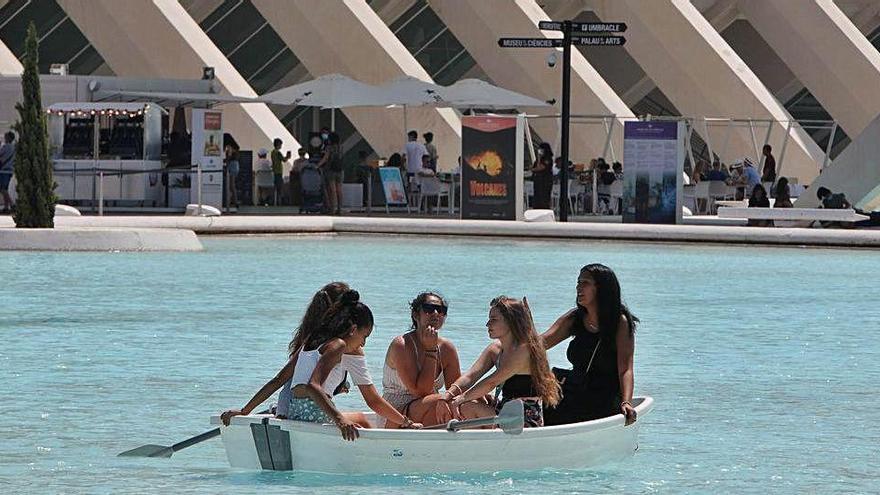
(322, 366)
(413, 152)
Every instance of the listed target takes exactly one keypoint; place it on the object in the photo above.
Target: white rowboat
(263, 442)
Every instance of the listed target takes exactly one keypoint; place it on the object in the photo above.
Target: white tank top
(393, 389)
(356, 366)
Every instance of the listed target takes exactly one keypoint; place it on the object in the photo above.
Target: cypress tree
(35, 187)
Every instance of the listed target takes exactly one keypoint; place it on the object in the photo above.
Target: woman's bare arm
(559, 330)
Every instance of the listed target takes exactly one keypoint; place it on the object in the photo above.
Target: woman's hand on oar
(151, 450)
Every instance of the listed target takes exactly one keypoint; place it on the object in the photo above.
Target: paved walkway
(424, 226)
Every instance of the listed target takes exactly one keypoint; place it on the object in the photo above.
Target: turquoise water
(762, 360)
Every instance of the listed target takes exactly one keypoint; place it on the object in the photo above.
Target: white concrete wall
(158, 39)
(702, 76)
(9, 64)
(346, 36)
(855, 172)
(826, 52)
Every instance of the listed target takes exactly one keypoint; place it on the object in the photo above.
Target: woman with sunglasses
(420, 362)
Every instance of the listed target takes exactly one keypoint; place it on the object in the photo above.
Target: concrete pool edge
(484, 228)
(99, 239)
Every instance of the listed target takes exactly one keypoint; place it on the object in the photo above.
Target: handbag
(569, 380)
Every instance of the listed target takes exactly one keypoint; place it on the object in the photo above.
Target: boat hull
(262, 442)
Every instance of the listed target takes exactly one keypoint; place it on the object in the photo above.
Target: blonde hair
(522, 327)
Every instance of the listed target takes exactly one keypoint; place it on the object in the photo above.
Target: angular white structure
(826, 52)
(361, 46)
(699, 72)
(9, 64)
(158, 39)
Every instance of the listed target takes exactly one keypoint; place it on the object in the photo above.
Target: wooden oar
(510, 420)
(151, 450)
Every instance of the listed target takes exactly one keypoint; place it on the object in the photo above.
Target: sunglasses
(430, 308)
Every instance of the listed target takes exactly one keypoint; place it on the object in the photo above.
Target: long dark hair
(522, 327)
(609, 301)
(416, 304)
(311, 322)
(346, 311)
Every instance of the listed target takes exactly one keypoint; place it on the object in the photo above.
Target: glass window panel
(420, 30)
(406, 16)
(60, 46)
(236, 27)
(455, 70)
(218, 13)
(86, 62)
(272, 73)
(44, 13)
(256, 52)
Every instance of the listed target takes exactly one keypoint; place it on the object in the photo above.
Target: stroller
(312, 186)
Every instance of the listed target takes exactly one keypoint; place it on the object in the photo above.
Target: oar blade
(511, 417)
(148, 451)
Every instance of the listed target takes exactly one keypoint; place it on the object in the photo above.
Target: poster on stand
(392, 185)
(488, 169)
(653, 164)
(207, 151)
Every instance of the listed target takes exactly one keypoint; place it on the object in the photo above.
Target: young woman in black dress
(600, 351)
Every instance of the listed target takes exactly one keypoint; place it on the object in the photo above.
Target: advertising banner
(488, 169)
(653, 164)
(207, 151)
(392, 185)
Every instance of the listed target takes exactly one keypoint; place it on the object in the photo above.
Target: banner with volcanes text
(488, 168)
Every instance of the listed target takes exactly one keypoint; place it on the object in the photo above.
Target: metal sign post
(588, 34)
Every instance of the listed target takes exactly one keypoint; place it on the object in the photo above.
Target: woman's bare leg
(358, 418)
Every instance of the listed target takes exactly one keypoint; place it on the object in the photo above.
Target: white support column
(702, 76)
(826, 52)
(158, 39)
(347, 37)
(9, 64)
(479, 24)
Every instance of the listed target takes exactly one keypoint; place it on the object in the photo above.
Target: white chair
(615, 190)
(265, 179)
(429, 187)
(718, 189)
(702, 198)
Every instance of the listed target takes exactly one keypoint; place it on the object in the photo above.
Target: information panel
(488, 169)
(653, 164)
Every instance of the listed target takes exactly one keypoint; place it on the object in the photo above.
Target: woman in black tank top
(600, 383)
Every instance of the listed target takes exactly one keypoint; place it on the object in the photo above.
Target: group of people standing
(422, 380)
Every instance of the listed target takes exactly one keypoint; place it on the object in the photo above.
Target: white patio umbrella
(409, 91)
(328, 91)
(469, 93)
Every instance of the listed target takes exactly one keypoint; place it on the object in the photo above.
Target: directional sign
(550, 26)
(599, 27)
(529, 42)
(598, 40)
(585, 27)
